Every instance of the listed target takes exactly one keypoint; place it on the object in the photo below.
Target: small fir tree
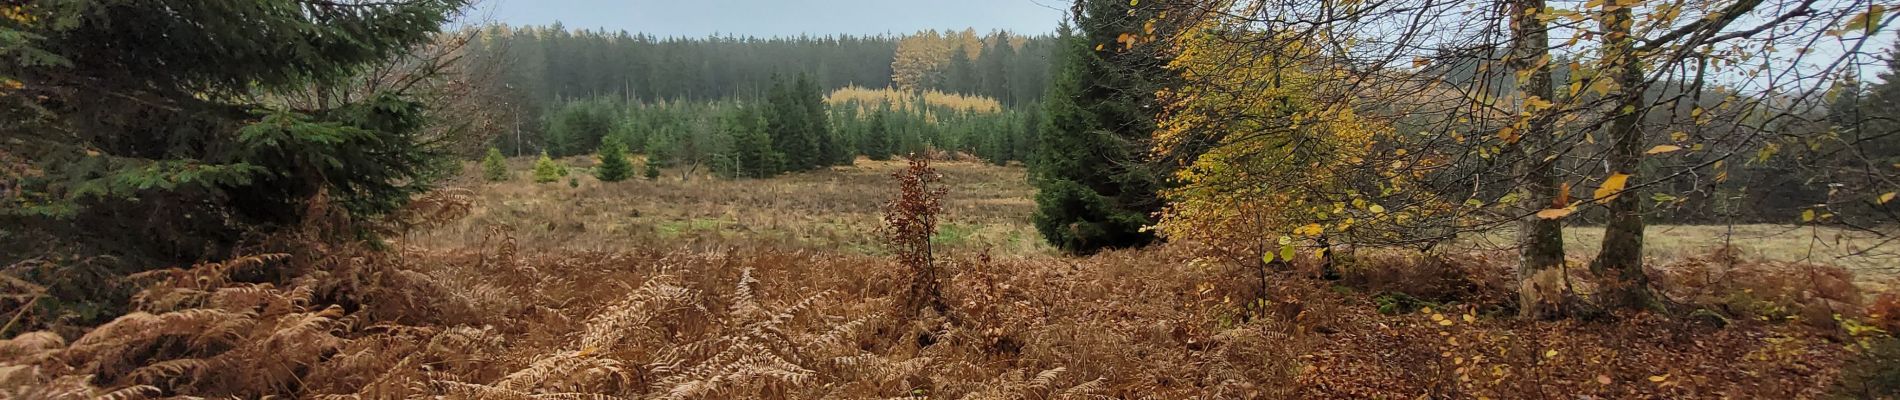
(614, 166)
(659, 150)
(546, 171)
(653, 168)
(878, 137)
(495, 167)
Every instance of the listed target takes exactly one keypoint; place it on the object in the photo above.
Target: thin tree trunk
(1541, 245)
(1621, 258)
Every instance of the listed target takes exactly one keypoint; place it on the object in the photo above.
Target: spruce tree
(547, 171)
(1096, 188)
(660, 152)
(183, 111)
(614, 166)
(653, 168)
(494, 166)
(877, 137)
(960, 74)
(790, 128)
(750, 149)
(811, 101)
(995, 64)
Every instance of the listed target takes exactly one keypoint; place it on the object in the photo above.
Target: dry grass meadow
(838, 208)
(987, 210)
(776, 289)
(1869, 257)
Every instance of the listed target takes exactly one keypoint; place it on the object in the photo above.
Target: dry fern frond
(838, 336)
(744, 304)
(1088, 389)
(307, 324)
(28, 348)
(1045, 378)
(209, 275)
(541, 370)
(434, 208)
(72, 387)
(657, 297)
(575, 396)
(156, 372)
(462, 390)
(130, 393)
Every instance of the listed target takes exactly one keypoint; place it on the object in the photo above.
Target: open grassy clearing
(1873, 261)
(987, 209)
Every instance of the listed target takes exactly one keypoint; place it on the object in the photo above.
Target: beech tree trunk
(1541, 245)
(1621, 259)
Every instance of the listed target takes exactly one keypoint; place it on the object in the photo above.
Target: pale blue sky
(698, 18)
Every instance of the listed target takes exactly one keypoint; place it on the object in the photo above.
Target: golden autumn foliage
(920, 58)
(1279, 163)
(870, 100)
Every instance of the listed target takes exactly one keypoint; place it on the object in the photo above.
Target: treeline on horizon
(542, 66)
(701, 101)
(795, 127)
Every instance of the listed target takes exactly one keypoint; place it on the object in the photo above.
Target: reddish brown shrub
(1475, 278)
(1884, 312)
(909, 222)
(1763, 290)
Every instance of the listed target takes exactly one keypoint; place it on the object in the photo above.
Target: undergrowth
(720, 319)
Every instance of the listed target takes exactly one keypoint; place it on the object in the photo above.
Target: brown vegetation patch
(722, 321)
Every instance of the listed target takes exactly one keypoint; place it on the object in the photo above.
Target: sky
(699, 18)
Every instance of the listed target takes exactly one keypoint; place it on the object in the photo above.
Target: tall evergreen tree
(1097, 188)
(168, 118)
(817, 125)
(960, 75)
(996, 63)
(790, 127)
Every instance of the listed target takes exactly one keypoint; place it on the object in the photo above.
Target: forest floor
(778, 289)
